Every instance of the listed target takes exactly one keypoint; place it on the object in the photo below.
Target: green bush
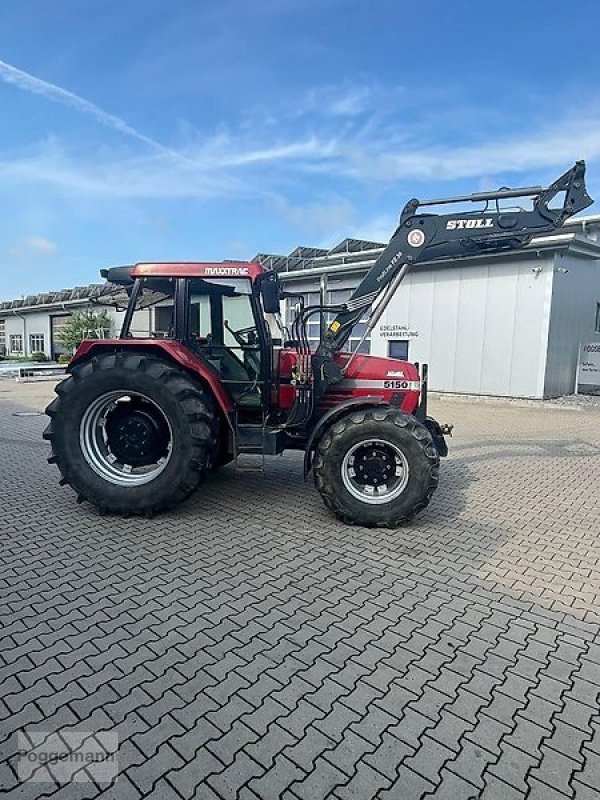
(85, 325)
(39, 356)
(64, 358)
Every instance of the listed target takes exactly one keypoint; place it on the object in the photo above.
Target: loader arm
(423, 237)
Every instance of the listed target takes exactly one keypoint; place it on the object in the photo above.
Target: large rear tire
(131, 433)
(376, 468)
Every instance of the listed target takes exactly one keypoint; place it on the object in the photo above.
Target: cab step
(258, 440)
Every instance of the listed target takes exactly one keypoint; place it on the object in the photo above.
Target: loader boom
(423, 237)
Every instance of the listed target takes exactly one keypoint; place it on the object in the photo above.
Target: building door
(57, 323)
(398, 348)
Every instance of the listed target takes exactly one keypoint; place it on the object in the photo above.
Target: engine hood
(379, 368)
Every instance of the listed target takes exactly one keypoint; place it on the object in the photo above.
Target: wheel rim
(375, 471)
(126, 438)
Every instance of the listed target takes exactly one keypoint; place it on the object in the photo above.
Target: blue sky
(211, 129)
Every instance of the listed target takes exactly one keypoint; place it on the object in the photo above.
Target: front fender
(437, 434)
(368, 401)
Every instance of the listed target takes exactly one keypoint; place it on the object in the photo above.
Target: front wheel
(376, 468)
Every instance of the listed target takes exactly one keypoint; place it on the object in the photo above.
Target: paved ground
(250, 646)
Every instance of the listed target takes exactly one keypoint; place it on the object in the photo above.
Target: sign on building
(397, 331)
(588, 369)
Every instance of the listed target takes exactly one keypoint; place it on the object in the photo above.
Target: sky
(153, 130)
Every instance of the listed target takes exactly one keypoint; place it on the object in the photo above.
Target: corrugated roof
(354, 246)
(308, 252)
(92, 292)
(304, 257)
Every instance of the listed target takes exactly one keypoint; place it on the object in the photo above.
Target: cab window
(223, 330)
(154, 315)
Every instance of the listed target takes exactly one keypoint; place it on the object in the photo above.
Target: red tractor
(141, 419)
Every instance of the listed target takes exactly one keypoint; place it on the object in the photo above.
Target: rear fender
(162, 348)
(369, 401)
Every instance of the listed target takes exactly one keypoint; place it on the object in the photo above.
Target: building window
(398, 348)
(36, 343)
(597, 326)
(15, 344)
(2, 336)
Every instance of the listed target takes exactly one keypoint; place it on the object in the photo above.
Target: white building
(32, 324)
(504, 325)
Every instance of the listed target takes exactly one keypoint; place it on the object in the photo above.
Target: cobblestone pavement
(250, 646)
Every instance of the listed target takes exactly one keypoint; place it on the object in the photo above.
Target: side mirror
(270, 292)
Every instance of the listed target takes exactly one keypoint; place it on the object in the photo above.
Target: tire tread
(379, 415)
(197, 406)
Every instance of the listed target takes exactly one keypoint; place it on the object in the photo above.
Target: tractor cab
(217, 311)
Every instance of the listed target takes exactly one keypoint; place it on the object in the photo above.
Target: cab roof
(184, 269)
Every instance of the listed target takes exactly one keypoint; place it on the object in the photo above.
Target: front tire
(376, 468)
(131, 433)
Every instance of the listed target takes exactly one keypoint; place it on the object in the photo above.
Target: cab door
(223, 329)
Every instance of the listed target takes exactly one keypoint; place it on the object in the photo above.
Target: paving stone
(582, 791)
(228, 746)
(148, 773)
(150, 740)
(337, 721)
(526, 736)
(541, 791)
(272, 784)
(471, 763)
(467, 706)
(260, 718)
(540, 712)
(409, 730)
(191, 775)
(451, 787)
(124, 789)
(321, 781)
(228, 782)
(365, 782)
(387, 756)
(496, 789)
(407, 784)
(576, 714)
(348, 752)
(162, 791)
(590, 775)
(264, 749)
(225, 716)
(513, 766)
(504, 709)
(312, 744)
(429, 759)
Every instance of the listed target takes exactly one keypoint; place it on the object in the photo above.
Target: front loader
(197, 377)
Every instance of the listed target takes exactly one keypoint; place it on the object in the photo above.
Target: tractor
(204, 370)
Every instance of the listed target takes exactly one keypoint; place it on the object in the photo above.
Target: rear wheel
(377, 467)
(131, 433)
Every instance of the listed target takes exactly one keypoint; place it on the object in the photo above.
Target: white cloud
(227, 165)
(332, 217)
(30, 83)
(539, 149)
(349, 99)
(376, 229)
(34, 246)
(336, 131)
